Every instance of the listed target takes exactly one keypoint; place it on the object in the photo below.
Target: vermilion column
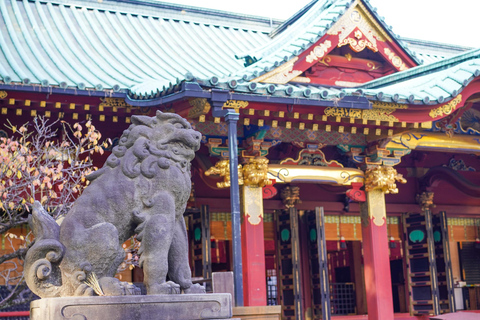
(253, 248)
(378, 282)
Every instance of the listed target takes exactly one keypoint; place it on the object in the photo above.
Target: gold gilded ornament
(255, 172)
(114, 103)
(377, 113)
(425, 200)
(290, 196)
(383, 178)
(447, 108)
(343, 113)
(395, 60)
(3, 94)
(235, 104)
(222, 169)
(281, 74)
(253, 204)
(200, 107)
(319, 51)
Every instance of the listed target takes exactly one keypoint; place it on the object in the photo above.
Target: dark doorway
(398, 285)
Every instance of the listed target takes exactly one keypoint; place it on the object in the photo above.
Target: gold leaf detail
(3, 94)
(255, 172)
(383, 178)
(343, 113)
(447, 108)
(281, 74)
(395, 60)
(388, 105)
(235, 104)
(290, 196)
(359, 17)
(319, 51)
(200, 107)
(222, 169)
(380, 114)
(114, 102)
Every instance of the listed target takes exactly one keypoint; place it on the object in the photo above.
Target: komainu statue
(142, 189)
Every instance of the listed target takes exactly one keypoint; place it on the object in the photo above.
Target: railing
(343, 298)
(17, 312)
(15, 315)
(272, 290)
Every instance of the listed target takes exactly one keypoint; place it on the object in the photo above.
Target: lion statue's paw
(168, 287)
(195, 288)
(84, 290)
(114, 287)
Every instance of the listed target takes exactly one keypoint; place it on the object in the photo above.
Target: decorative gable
(356, 49)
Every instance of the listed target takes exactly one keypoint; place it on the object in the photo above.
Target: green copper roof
(430, 52)
(115, 45)
(148, 48)
(434, 83)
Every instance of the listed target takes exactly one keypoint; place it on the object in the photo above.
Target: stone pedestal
(149, 307)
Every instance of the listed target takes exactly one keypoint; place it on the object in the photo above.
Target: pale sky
(446, 21)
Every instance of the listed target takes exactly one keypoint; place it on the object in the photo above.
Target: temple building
(338, 169)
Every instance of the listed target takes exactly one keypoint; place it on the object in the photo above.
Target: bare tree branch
(44, 161)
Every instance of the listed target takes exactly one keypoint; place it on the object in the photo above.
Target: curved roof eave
(430, 84)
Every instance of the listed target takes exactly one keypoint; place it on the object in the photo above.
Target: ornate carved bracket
(222, 169)
(255, 172)
(290, 196)
(437, 174)
(312, 156)
(355, 193)
(217, 147)
(376, 155)
(425, 200)
(252, 174)
(383, 178)
(255, 147)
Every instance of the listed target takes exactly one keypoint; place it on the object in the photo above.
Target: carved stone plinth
(147, 307)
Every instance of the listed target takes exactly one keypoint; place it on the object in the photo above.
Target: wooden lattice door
(428, 263)
(289, 283)
(317, 251)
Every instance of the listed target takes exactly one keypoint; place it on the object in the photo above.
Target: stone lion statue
(142, 189)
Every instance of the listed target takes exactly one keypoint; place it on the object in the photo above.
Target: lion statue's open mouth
(142, 189)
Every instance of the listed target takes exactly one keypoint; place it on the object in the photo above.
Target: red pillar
(253, 248)
(378, 282)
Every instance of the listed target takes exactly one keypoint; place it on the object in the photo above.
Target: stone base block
(149, 307)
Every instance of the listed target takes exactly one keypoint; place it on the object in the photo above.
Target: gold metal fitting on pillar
(291, 196)
(383, 178)
(425, 200)
(255, 172)
(222, 169)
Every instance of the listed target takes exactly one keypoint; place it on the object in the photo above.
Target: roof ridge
(314, 22)
(176, 11)
(292, 19)
(404, 46)
(422, 69)
(436, 44)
